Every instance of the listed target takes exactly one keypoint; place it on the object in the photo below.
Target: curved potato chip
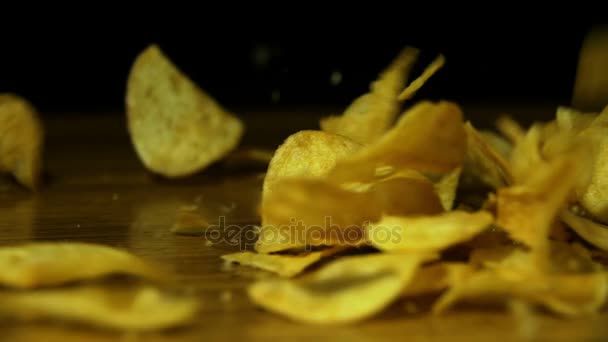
(429, 137)
(132, 308)
(307, 153)
(46, 263)
(176, 128)
(285, 265)
(21, 140)
(371, 115)
(592, 232)
(426, 233)
(346, 290)
(568, 295)
(335, 215)
(416, 84)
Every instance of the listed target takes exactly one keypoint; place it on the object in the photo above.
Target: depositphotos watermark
(296, 233)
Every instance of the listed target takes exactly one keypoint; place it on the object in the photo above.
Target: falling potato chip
(570, 295)
(372, 114)
(336, 215)
(307, 153)
(430, 70)
(285, 265)
(592, 232)
(591, 84)
(21, 140)
(129, 308)
(344, 291)
(426, 233)
(483, 162)
(46, 263)
(177, 129)
(437, 277)
(510, 129)
(429, 137)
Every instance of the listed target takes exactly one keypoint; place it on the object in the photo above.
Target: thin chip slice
(285, 265)
(416, 84)
(46, 263)
(346, 290)
(429, 137)
(21, 140)
(307, 153)
(176, 128)
(371, 115)
(484, 163)
(568, 295)
(126, 308)
(592, 232)
(426, 233)
(189, 222)
(437, 277)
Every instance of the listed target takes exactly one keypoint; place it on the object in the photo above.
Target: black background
(77, 64)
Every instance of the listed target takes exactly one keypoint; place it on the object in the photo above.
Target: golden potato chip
(46, 263)
(591, 84)
(176, 128)
(346, 290)
(336, 215)
(498, 143)
(571, 119)
(371, 115)
(592, 232)
(307, 153)
(429, 137)
(285, 265)
(130, 308)
(484, 163)
(436, 277)
(21, 140)
(426, 233)
(189, 222)
(510, 129)
(571, 294)
(446, 188)
(416, 84)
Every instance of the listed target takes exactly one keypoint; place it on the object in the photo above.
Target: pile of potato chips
(374, 209)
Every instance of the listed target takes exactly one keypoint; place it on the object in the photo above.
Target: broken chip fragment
(176, 128)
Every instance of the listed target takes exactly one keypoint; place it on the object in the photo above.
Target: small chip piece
(429, 137)
(21, 140)
(189, 222)
(177, 129)
(426, 233)
(592, 232)
(346, 290)
(371, 115)
(446, 188)
(285, 265)
(45, 263)
(124, 308)
(416, 84)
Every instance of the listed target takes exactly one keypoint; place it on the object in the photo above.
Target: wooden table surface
(97, 191)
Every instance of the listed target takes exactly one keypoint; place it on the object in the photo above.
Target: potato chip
(130, 308)
(592, 232)
(189, 222)
(498, 143)
(371, 115)
(510, 129)
(436, 277)
(176, 128)
(46, 263)
(446, 188)
(336, 216)
(21, 140)
(591, 84)
(569, 295)
(344, 291)
(426, 233)
(484, 163)
(285, 265)
(429, 137)
(416, 84)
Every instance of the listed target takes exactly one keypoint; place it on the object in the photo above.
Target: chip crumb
(335, 78)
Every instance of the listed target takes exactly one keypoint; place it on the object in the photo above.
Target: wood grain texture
(97, 191)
